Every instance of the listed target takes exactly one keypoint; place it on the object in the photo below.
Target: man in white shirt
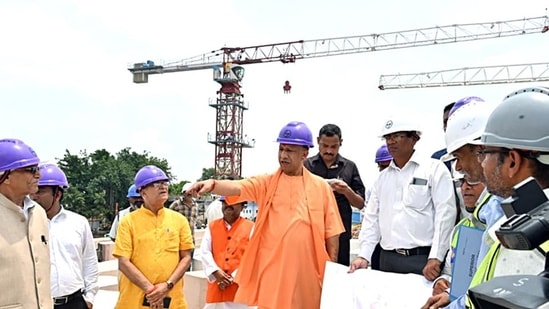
(411, 210)
(135, 200)
(74, 270)
(214, 211)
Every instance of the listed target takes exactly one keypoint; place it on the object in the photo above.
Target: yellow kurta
(152, 243)
(283, 266)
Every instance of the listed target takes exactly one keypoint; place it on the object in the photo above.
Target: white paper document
(372, 289)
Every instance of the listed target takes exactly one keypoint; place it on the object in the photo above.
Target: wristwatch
(170, 284)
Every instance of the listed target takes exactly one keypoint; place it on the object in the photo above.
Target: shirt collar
(28, 203)
(337, 162)
(146, 211)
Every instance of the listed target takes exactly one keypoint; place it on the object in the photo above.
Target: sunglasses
(31, 169)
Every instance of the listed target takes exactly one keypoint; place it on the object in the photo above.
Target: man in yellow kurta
(296, 232)
(153, 247)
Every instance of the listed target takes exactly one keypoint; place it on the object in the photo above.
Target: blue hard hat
(132, 192)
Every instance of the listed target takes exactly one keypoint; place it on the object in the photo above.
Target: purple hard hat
(382, 154)
(147, 175)
(459, 103)
(52, 175)
(296, 133)
(15, 154)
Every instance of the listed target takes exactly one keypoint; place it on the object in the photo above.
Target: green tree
(176, 188)
(207, 173)
(99, 180)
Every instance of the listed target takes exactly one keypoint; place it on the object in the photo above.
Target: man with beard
(296, 231)
(465, 127)
(223, 244)
(515, 146)
(344, 179)
(153, 248)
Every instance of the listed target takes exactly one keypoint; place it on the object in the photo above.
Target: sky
(64, 83)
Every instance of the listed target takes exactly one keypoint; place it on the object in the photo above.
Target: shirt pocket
(417, 196)
(171, 242)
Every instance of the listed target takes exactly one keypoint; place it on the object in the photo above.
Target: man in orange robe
(223, 245)
(296, 232)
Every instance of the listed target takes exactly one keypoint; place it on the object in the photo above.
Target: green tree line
(99, 180)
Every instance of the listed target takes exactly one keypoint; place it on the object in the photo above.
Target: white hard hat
(399, 124)
(186, 187)
(466, 125)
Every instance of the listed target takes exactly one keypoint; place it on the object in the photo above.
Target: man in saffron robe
(296, 231)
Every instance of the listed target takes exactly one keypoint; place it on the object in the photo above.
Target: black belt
(413, 251)
(67, 298)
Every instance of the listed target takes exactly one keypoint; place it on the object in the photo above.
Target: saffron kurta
(284, 263)
(152, 243)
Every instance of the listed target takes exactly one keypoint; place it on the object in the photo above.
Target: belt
(413, 251)
(67, 298)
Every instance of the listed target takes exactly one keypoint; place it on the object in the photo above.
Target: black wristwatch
(170, 284)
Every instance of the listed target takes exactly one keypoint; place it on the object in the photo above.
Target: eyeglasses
(394, 136)
(481, 154)
(159, 184)
(31, 169)
(460, 182)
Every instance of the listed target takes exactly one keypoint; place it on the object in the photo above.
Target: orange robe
(227, 249)
(284, 263)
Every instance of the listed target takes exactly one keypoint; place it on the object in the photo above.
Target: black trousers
(396, 263)
(77, 302)
(344, 254)
(375, 257)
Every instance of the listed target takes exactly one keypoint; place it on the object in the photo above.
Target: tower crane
(487, 75)
(227, 62)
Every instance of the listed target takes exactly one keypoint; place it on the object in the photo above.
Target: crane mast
(228, 71)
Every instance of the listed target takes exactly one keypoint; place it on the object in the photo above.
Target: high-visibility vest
(479, 223)
(473, 221)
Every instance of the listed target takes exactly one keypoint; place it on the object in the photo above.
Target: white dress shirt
(213, 211)
(27, 204)
(405, 214)
(73, 256)
(116, 221)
